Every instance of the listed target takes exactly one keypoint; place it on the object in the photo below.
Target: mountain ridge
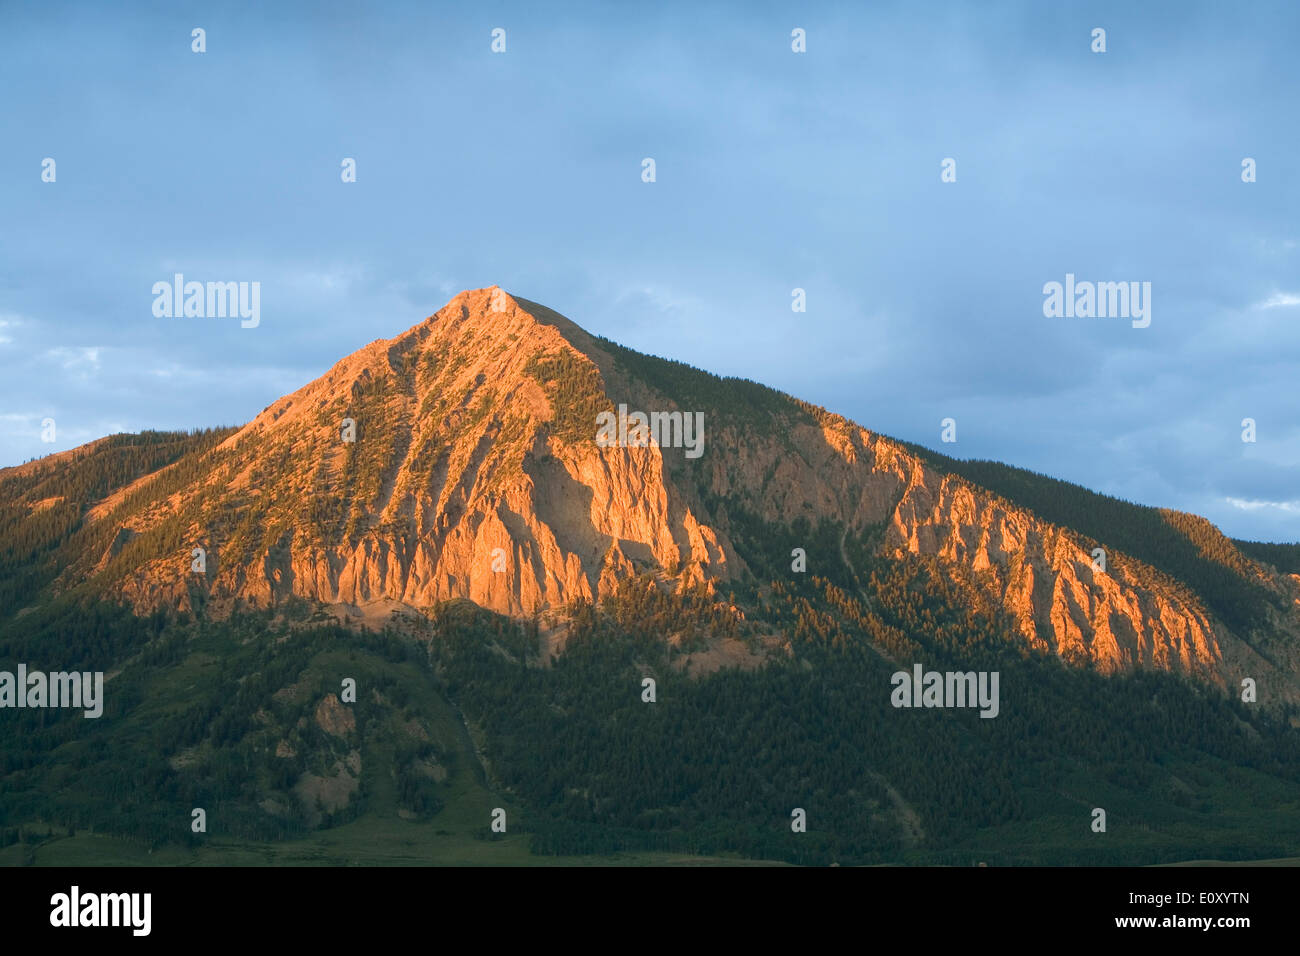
(474, 440)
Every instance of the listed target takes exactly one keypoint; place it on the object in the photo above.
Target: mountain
(475, 437)
(440, 505)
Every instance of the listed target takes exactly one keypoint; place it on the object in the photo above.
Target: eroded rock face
(475, 474)
(458, 484)
(1045, 576)
(334, 718)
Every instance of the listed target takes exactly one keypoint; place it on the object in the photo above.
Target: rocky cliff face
(459, 460)
(433, 466)
(1049, 580)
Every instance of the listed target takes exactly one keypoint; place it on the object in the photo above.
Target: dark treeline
(1284, 557)
(728, 401)
(717, 764)
(224, 715)
(43, 505)
(212, 714)
(575, 391)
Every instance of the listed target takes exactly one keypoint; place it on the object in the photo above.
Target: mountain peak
(485, 331)
(496, 313)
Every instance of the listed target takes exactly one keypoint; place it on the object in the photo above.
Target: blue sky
(775, 170)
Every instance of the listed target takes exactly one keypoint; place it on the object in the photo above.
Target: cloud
(1278, 300)
(9, 320)
(76, 358)
(1289, 507)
